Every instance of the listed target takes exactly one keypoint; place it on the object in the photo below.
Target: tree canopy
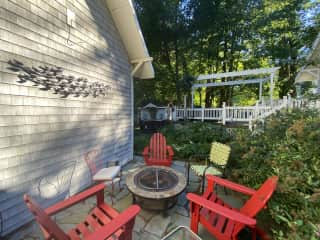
(191, 37)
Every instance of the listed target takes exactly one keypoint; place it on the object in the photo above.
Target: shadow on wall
(114, 52)
(47, 175)
(55, 186)
(120, 68)
(54, 175)
(52, 178)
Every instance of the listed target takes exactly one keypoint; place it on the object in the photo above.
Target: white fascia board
(126, 21)
(239, 73)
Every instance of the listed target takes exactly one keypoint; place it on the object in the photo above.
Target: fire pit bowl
(155, 187)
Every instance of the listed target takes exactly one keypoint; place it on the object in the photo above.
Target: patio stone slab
(178, 220)
(182, 199)
(139, 224)
(147, 215)
(158, 225)
(182, 211)
(179, 163)
(123, 203)
(122, 193)
(61, 215)
(148, 236)
(66, 227)
(135, 236)
(193, 187)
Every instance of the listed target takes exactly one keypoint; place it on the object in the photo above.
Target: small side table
(181, 232)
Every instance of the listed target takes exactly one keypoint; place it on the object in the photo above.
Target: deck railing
(242, 114)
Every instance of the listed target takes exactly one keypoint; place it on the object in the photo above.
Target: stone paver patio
(149, 225)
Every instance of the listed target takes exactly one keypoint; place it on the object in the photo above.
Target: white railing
(212, 113)
(239, 114)
(242, 114)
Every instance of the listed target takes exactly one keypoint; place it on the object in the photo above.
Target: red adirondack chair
(222, 220)
(158, 153)
(101, 223)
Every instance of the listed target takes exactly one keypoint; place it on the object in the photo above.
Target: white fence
(242, 114)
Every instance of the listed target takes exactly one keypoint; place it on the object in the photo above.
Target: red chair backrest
(258, 200)
(91, 158)
(47, 224)
(158, 147)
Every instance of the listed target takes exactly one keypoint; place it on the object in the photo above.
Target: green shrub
(194, 138)
(186, 138)
(141, 139)
(288, 147)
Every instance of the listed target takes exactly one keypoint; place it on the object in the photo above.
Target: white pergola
(269, 74)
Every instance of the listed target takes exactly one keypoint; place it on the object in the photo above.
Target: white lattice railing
(241, 114)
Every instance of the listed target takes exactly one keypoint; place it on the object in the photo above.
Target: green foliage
(289, 148)
(194, 138)
(192, 37)
(187, 139)
(141, 139)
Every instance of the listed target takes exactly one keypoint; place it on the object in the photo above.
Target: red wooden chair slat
(158, 153)
(93, 222)
(222, 220)
(229, 228)
(74, 235)
(112, 213)
(83, 228)
(103, 222)
(101, 215)
(220, 223)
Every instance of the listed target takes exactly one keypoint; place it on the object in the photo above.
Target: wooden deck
(240, 114)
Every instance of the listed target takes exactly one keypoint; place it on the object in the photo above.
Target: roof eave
(126, 21)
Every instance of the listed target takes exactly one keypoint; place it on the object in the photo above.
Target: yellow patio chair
(218, 158)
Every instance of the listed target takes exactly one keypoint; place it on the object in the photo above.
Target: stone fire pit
(156, 187)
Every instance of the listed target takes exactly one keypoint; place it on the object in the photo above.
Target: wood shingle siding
(40, 130)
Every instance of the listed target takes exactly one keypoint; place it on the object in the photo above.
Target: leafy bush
(187, 139)
(194, 138)
(141, 139)
(288, 147)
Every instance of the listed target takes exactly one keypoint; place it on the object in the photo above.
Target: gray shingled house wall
(41, 131)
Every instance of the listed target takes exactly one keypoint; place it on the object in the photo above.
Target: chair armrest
(170, 150)
(223, 211)
(123, 218)
(230, 185)
(74, 199)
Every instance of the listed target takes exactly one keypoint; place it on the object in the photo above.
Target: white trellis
(268, 72)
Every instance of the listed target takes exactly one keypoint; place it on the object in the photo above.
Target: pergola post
(192, 96)
(185, 106)
(271, 87)
(260, 91)
(224, 113)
